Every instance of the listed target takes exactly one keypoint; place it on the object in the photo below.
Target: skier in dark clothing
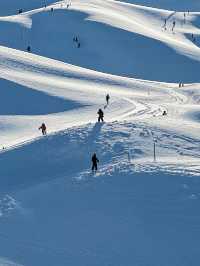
(95, 160)
(164, 112)
(165, 24)
(29, 49)
(43, 128)
(174, 24)
(101, 115)
(107, 98)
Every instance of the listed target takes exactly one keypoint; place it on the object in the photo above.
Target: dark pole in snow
(154, 150)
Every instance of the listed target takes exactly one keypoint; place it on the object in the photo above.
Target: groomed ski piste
(140, 208)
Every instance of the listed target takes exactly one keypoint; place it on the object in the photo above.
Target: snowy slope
(61, 213)
(31, 70)
(141, 35)
(183, 5)
(137, 209)
(9, 7)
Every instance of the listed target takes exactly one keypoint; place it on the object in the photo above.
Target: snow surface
(136, 210)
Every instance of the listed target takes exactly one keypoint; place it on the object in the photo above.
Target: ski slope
(137, 209)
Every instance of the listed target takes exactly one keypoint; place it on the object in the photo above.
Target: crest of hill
(10, 7)
(191, 5)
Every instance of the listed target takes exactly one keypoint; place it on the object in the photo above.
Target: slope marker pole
(154, 150)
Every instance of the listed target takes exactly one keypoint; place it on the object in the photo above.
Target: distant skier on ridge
(174, 24)
(107, 99)
(29, 49)
(43, 128)
(165, 24)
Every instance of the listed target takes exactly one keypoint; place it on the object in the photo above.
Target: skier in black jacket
(95, 160)
(101, 115)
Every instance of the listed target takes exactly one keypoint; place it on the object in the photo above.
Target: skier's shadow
(95, 131)
(105, 106)
(94, 134)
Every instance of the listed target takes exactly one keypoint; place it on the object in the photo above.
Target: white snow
(136, 210)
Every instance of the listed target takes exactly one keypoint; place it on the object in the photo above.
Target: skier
(107, 98)
(43, 128)
(165, 24)
(101, 115)
(164, 112)
(95, 160)
(174, 24)
(29, 49)
(184, 18)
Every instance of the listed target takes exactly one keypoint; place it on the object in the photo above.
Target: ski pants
(94, 166)
(100, 118)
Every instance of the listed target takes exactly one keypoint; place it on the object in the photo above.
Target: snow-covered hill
(184, 5)
(141, 207)
(98, 25)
